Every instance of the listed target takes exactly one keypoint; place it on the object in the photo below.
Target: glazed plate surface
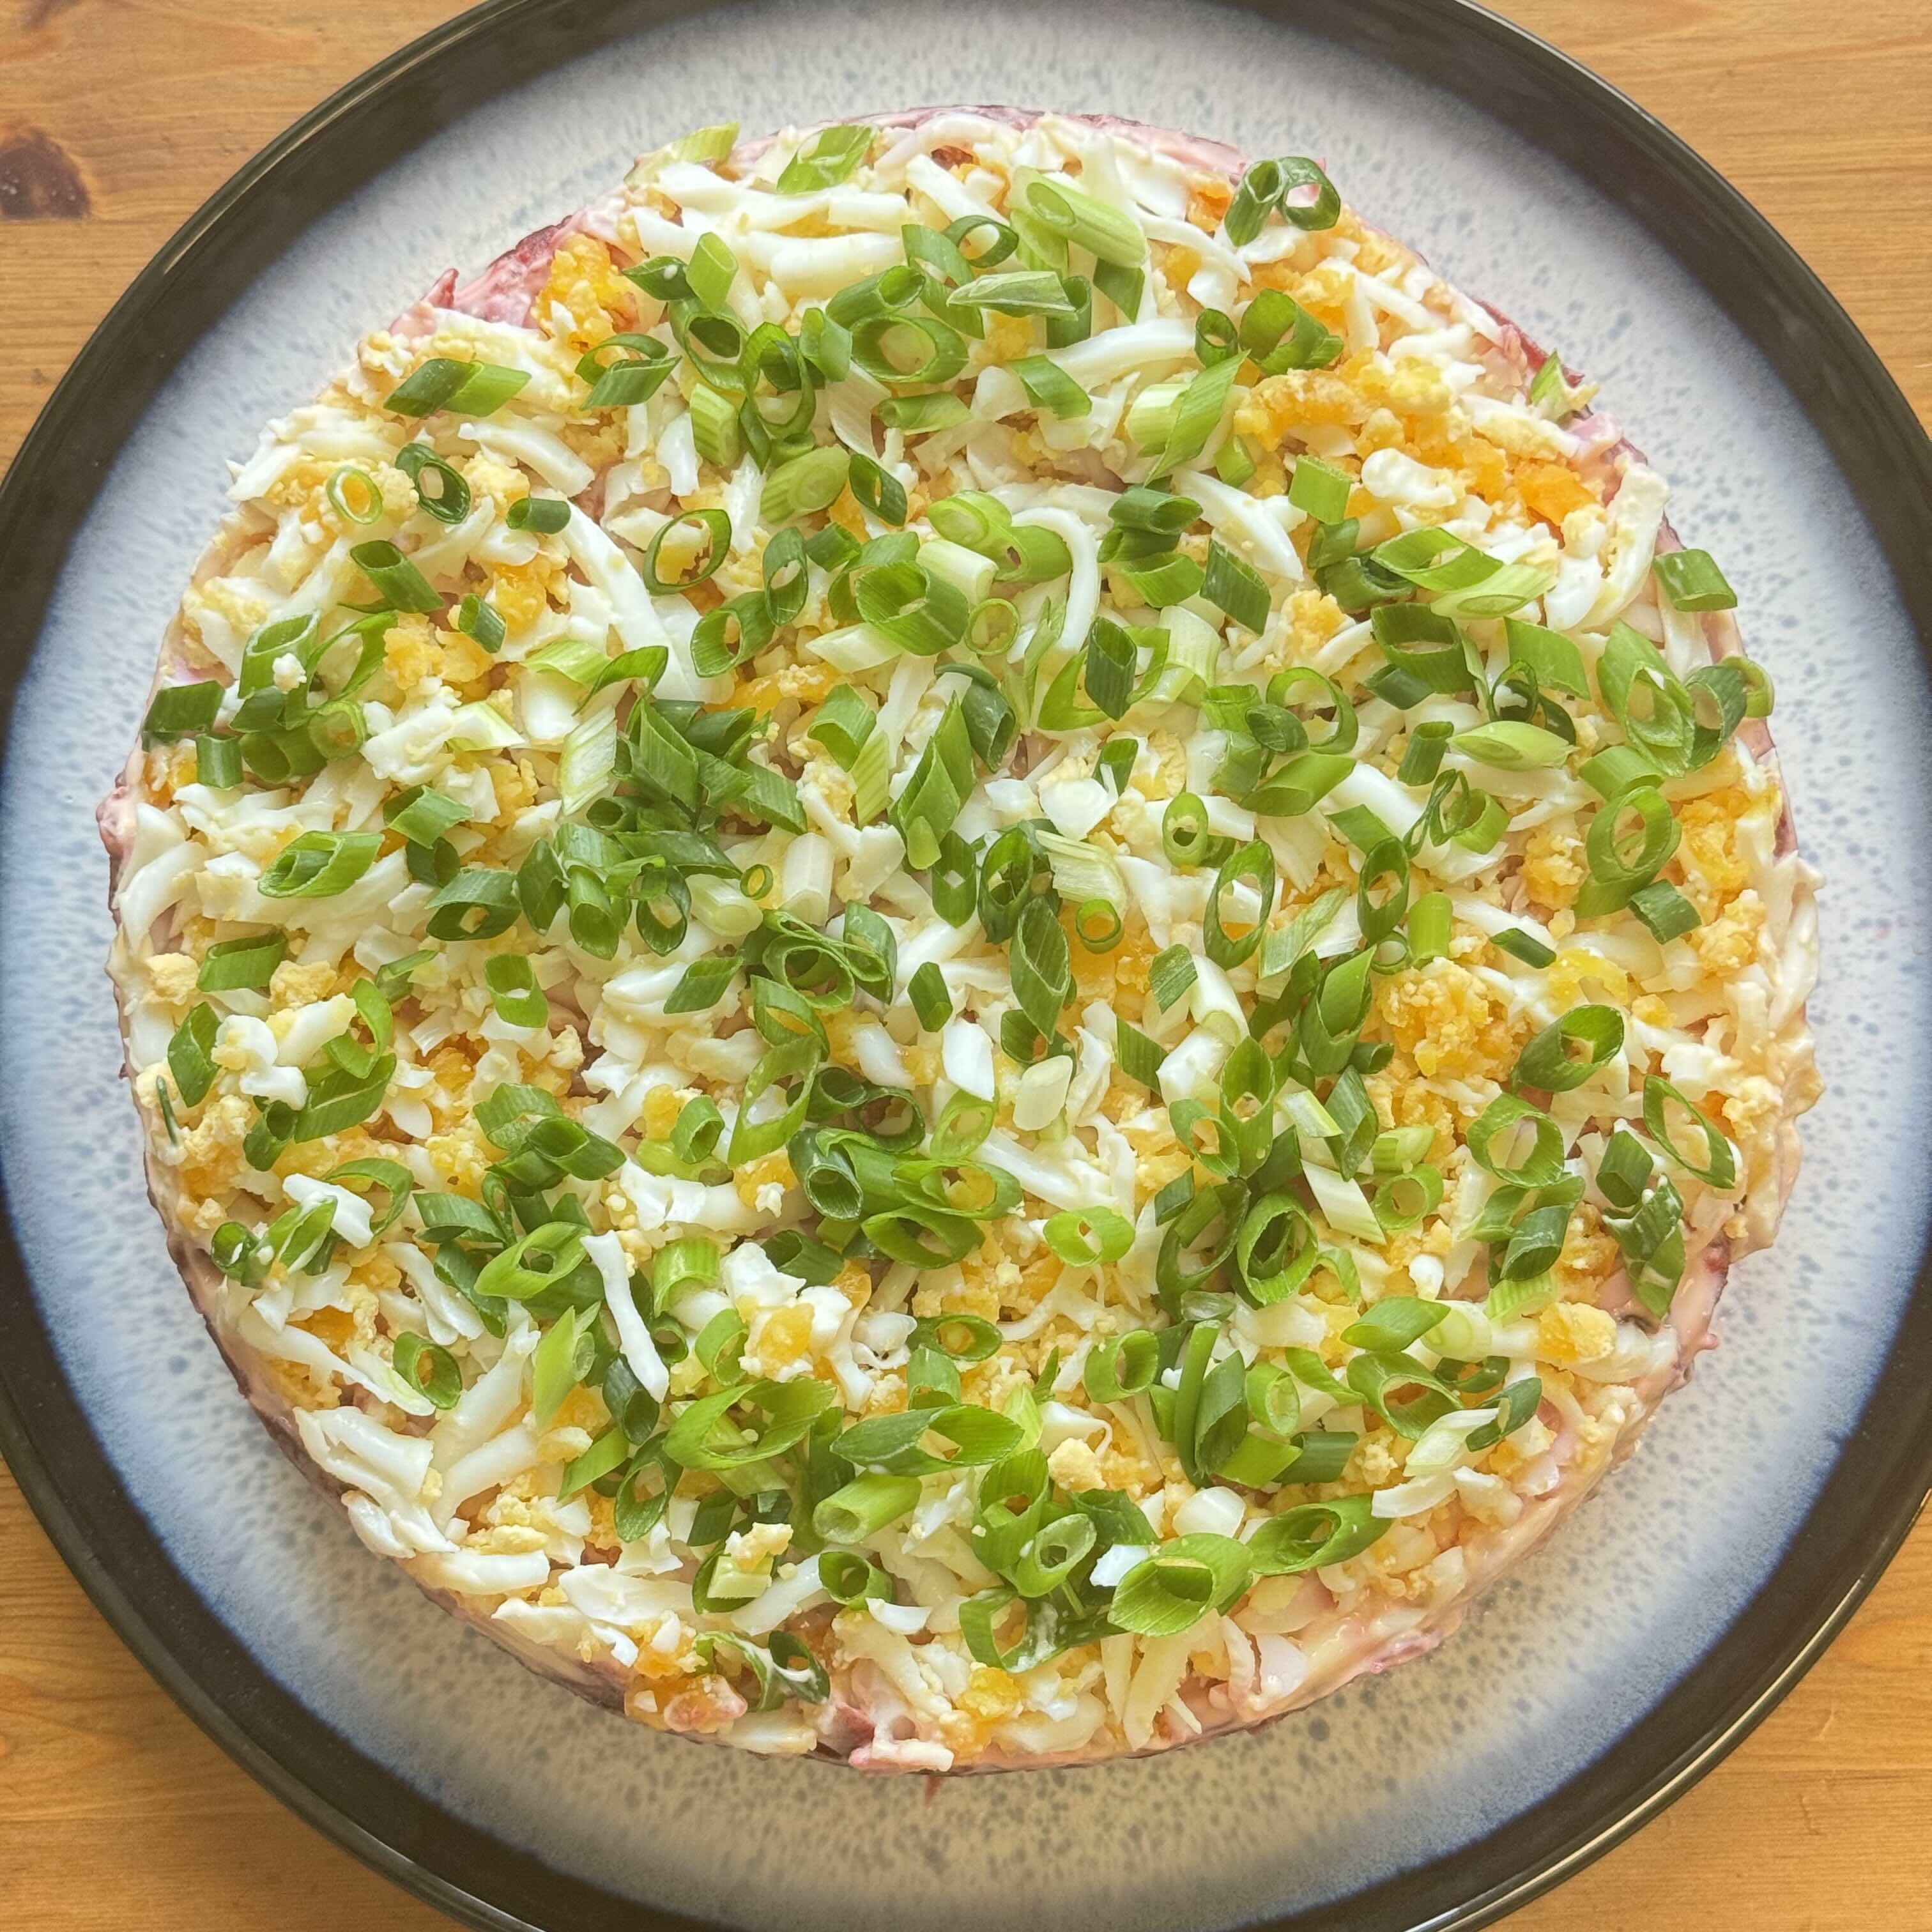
(1617, 1661)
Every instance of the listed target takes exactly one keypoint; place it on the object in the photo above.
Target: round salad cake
(958, 943)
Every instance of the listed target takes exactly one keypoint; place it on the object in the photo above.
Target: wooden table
(116, 120)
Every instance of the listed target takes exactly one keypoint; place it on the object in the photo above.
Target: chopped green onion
(1139, 1057)
(706, 144)
(1422, 758)
(477, 619)
(1279, 335)
(898, 349)
(514, 989)
(1254, 862)
(832, 155)
(1511, 745)
(429, 1369)
(1196, 414)
(806, 484)
(1172, 975)
(1105, 231)
(1042, 966)
(921, 416)
(1235, 587)
(445, 495)
(1431, 921)
(1185, 837)
(1718, 1168)
(1496, 1143)
(1692, 581)
(941, 782)
(191, 1054)
(1550, 657)
(478, 903)
(711, 270)
(714, 526)
(1665, 911)
(179, 710)
(1093, 1237)
(1320, 489)
(1184, 1581)
(1523, 945)
(864, 1507)
(545, 514)
(217, 762)
(1118, 1369)
(715, 431)
(1048, 386)
(931, 1001)
(1110, 667)
(319, 865)
(1312, 1536)
(894, 1444)
(470, 388)
(355, 494)
(1018, 292)
(398, 580)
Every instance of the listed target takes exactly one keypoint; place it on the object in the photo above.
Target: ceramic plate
(1604, 1674)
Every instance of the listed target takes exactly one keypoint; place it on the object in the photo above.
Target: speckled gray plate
(1601, 1678)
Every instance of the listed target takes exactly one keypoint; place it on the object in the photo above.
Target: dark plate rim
(1884, 1470)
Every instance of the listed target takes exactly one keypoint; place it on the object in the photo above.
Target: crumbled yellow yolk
(1279, 405)
(211, 1161)
(1124, 968)
(463, 663)
(1409, 386)
(1551, 490)
(409, 653)
(503, 483)
(1207, 202)
(377, 1273)
(662, 1105)
(298, 986)
(1729, 944)
(1170, 774)
(302, 1389)
(1590, 1254)
(320, 1157)
(519, 592)
(586, 286)
(785, 1336)
(1075, 1466)
(1572, 1332)
(514, 781)
(991, 1694)
(172, 976)
(1313, 618)
(1446, 1021)
(1008, 336)
(774, 1168)
(599, 443)
(169, 768)
(460, 1155)
(809, 683)
(1574, 969)
(1401, 1100)
(1554, 865)
(986, 1277)
(1712, 866)
(1375, 254)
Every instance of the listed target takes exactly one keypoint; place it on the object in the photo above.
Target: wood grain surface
(117, 118)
